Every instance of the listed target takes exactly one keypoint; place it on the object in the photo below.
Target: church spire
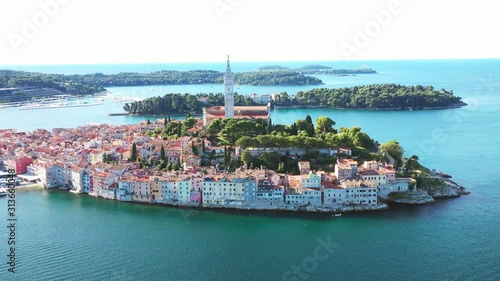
(228, 91)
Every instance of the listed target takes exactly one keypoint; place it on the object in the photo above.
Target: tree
(133, 154)
(176, 167)
(194, 149)
(246, 157)
(203, 148)
(310, 130)
(165, 122)
(149, 122)
(269, 126)
(393, 149)
(324, 125)
(309, 119)
(104, 158)
(412, 185)
(270, 159)
(162, 154)
(412, 163)
(179, 129)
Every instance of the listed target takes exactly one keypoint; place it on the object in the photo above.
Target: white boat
(338, 215)
(3, 192)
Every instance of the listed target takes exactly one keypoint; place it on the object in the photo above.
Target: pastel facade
(223, 192)
(142, 190)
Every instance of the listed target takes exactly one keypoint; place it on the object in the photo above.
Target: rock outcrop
(411, 198)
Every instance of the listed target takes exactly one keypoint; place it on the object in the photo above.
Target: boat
(338, 215)
(99, 99)
(3, 192)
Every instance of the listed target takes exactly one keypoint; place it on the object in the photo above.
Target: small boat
(338, 215)
(3, 192)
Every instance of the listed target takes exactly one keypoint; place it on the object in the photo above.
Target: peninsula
(231, 163)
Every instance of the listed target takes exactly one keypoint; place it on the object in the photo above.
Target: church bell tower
(228, 92)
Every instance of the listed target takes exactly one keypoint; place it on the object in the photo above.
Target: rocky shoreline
(421, 197)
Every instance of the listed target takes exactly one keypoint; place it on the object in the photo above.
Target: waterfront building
(269, 195)
(103, 185)
(183, 191)
(195, 195)
(293, 197)
(396, 185)
(360, 192)
(77, 185)
(142, 190)
(311, 197)
(156, 189)
(223, 192)
(169, 191)
(125, 189)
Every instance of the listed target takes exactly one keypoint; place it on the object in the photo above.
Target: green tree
(270, 159)
(393, 149)
(133, 154)
(246, 157)
(179, 129)
(162, 154)
(194, 149)
(324, 125)
(412, 163)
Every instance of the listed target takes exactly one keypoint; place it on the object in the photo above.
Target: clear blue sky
(112, 31)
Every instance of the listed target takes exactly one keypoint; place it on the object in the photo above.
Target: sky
(163, 31)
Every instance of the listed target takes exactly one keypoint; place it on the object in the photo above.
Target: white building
(311, 197)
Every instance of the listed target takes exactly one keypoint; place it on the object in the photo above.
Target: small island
(370, 97)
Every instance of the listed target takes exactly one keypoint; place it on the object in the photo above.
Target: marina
(57, 105)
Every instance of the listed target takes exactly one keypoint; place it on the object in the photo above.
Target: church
(231, 111)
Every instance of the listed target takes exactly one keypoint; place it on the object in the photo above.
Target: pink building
(196, 187)
(20, 164)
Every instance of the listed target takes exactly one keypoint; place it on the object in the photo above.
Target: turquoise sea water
(66, 237)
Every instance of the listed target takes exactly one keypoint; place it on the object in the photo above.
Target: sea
(61, 236)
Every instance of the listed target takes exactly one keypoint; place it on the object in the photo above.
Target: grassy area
(396, 195)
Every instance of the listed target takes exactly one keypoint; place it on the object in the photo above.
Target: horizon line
(250, 61)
